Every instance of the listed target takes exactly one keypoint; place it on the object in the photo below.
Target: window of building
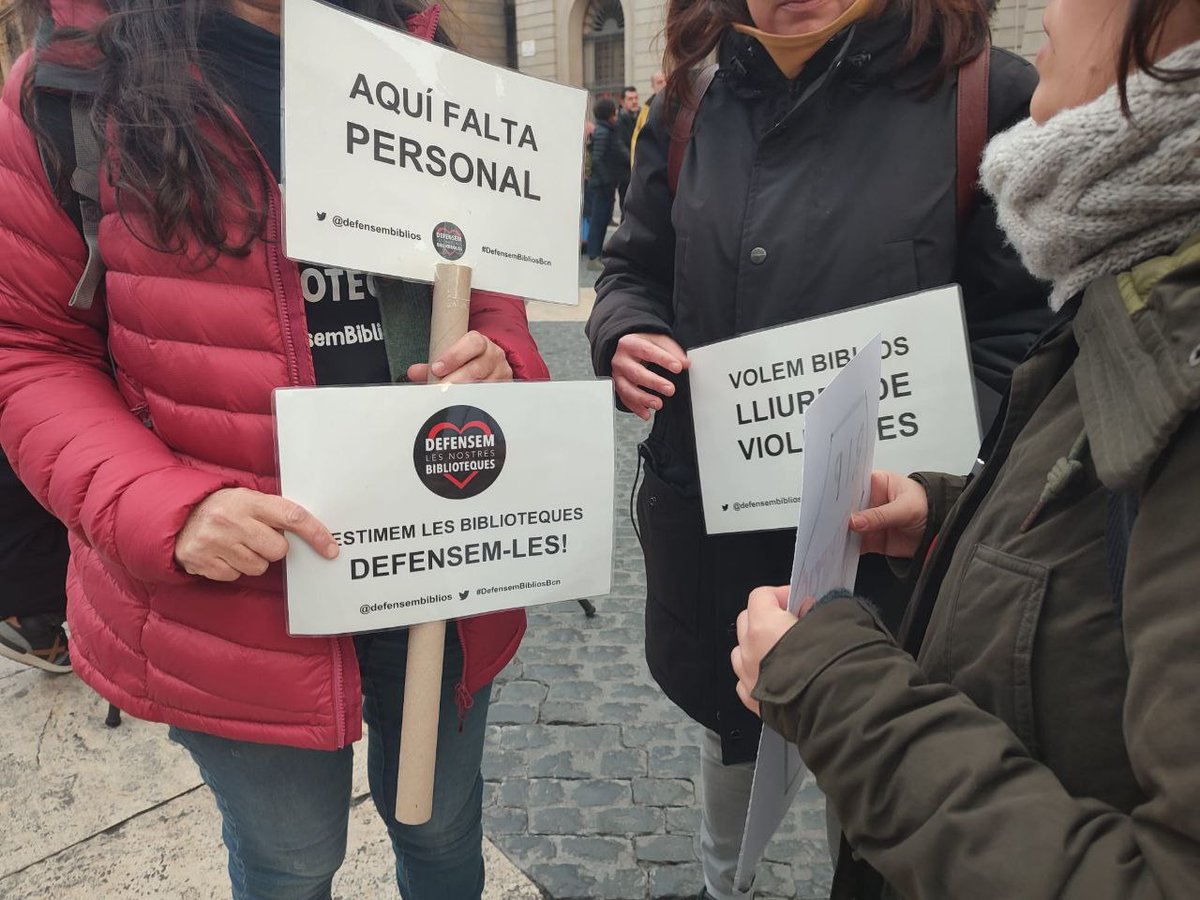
(604, 48)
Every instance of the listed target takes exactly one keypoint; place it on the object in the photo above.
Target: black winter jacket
(610, 158)
(795, 199)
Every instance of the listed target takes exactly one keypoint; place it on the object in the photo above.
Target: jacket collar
(875, 53)
(1138, 370)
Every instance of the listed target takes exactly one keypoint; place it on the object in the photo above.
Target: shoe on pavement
(37, 641)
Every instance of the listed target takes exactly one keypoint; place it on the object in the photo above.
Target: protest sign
(841, 427)
(399, 154)
(750, 396)
(449, 500)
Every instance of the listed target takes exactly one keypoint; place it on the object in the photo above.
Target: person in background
(820, 174)
(145, 425)
(658, 81)
(33, 576)
(610, 162)
(1034, 731)
(627, 119)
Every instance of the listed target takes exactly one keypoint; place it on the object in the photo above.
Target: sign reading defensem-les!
(447, 501)
(750, 394)
(399, 154)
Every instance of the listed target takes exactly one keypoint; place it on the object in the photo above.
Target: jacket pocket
(900, 272)
(990, 636)
(672, 533)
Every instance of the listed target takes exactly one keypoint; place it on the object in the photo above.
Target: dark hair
(627, 89)
(957, 28)
(178, 154)
(1139, 42)
(604, 109)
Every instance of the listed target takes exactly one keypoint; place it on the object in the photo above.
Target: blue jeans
(285, 810)
(602, 210)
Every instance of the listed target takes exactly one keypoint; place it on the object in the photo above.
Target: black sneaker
(37, 641)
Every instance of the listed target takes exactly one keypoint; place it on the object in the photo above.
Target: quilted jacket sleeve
(66, 429)
(501, 319)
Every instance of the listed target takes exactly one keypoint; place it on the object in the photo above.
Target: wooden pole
(423, 675)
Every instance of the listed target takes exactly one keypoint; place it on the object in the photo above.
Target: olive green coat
(1045, 741)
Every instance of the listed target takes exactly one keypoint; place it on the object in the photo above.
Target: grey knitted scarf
(1090, 192)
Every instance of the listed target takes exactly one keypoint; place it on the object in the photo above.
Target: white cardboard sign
(841, 440)
(399, 154)
(446, 500)
(750, 395)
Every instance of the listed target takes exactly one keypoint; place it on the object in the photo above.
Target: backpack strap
(63, 98)
(681, 130)
(971, 130)
(85, 181)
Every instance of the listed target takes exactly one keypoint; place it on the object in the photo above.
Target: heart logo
(437, 429)
(459, 452)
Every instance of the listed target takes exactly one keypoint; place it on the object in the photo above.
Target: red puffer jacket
(196, 351)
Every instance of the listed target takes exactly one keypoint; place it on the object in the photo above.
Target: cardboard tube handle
(427, 641)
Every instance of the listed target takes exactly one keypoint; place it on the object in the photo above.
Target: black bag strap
(685, 121)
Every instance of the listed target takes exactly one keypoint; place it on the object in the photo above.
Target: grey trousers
(725, 797)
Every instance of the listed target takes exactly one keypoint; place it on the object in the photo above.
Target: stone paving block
(557, 820)
(627, 820)
(572, 690)
(664, 848)
(529, 848)
(498, 764)
(775, 879)
(597, 792)
(621, 884)
(676, 882)
(550, 673)
(663, 792)
(547, 791)
(505, 820)
(563, 881)
(675, 762)
(511, 792)
(523, 691)
(565, 712)
(683, 820)
(512, 713)
(608, 850)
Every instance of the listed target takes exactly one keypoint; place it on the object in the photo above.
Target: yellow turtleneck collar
(791, 51)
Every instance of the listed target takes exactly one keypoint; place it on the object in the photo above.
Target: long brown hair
(178, 156)
(958, 28)
(1139, 43)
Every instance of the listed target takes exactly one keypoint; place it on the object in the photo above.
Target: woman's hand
(633, 381)
(237, 531)
(759, 628)
(470, 359)
(895, 521)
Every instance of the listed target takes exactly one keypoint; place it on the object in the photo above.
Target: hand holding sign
(760, 626)
(633, 381)
(237, 531)
(470, 359)
(894, 521)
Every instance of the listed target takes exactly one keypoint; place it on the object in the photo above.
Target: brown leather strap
(681, 130)
(972, 127)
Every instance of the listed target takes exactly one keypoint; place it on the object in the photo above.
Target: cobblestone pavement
(591, 773)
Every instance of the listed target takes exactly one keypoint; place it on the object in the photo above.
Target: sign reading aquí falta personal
(400, 154)
(446, 500)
